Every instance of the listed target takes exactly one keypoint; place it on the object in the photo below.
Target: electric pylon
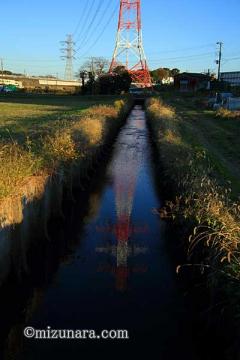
(129, 44)
(69, 52)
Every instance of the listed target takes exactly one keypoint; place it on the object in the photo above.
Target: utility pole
(69, 52)
(83, 75)
(219, 61)
(92, 74)
(92, 66)
(56, 81)
(2, 69)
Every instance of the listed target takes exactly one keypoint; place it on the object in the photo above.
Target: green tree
(160, 74)
(174, 72)
(116, 83)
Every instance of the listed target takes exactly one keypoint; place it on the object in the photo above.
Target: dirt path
(220, 137)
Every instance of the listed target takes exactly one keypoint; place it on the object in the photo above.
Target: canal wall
(188, 209)
(42, 198)
(110, 261)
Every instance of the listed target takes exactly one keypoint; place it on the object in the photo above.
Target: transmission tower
(124, 173)
(69, 52)
(129, 44)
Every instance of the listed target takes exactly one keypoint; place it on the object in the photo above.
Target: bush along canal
(103, 264)
(204, 216)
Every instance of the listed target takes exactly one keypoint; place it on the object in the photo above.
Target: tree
(160, 74)
(95, 65)
(6, 72)
(101, 65)
(116, 83)
(175, 72)
(83, 76)
(101, 82)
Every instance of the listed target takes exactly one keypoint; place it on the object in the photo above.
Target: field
(20, 115)
(40, 133)
(216, 133)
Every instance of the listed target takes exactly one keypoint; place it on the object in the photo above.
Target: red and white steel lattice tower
(129, 50)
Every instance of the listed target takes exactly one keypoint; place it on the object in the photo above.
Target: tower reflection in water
(125, 169)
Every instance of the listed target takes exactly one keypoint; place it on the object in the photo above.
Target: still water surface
(108, 267)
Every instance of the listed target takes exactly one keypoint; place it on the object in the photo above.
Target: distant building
(32, 83)
(18, 84)
(191, 82)
(232, 77)
(59, 82)
(168, 81)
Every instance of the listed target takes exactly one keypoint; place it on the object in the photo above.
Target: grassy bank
(198, 153)
(43, 135)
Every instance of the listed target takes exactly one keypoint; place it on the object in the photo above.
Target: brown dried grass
(227, 114)
(199, 200)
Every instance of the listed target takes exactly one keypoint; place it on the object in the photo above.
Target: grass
(40, 134)
(20, 115)
(215, 133)
(199, 155)
(203, 200)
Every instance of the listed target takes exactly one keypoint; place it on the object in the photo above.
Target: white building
(59, 82)
(11, 82)
(168, 81)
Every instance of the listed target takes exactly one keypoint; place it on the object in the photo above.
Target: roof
(230, 72)
(193, 75)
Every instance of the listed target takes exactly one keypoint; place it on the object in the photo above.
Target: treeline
(107, 84)
(7, 72)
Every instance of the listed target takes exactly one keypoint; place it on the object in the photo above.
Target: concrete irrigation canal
(103, 266)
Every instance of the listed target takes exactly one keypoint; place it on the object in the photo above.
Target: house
(232, 77)
(191, 82)
(168, 81)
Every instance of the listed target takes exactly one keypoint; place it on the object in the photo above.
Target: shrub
(16, 164)
(59, 148)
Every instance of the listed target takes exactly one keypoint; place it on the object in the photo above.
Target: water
(107, 267)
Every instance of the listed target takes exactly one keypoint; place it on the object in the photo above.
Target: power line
(34, 60)
(87, 39)
(189, 56)
(108, 56)
(193, 56)
(103, 31)
(186, 57)
(183, 49)
(85, 35)
(86, 20)
(230, 59)
(83, 17)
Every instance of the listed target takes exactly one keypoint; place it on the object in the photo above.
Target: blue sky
(177, 33)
